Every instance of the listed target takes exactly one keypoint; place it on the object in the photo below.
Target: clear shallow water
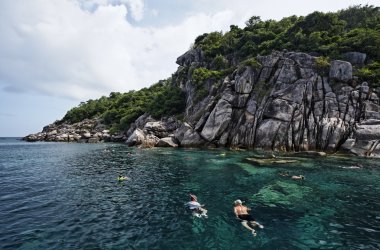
(66, 196)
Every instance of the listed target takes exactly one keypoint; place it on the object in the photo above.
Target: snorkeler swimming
(122, 178)
(196, 208)
(247, 220)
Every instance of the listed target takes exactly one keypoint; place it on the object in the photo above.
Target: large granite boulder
(157, 128)
(355, 58)
(136, 138)
(368, 132)
(193, 55)
(167, 142)
(191, 138)
(341, 71)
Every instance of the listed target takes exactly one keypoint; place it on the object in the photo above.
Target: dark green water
(66, 196)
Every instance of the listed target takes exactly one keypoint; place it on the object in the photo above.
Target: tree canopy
(119, 110)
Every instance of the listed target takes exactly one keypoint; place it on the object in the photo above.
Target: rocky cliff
(286, 101)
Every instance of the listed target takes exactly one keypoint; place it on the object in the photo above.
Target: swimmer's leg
(204, 211)
(245, 224)
(196, 213)
(255, 223)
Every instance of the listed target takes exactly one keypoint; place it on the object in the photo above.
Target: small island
(298, 84)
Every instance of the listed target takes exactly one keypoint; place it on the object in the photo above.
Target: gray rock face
(244, 83)
(137, 138)
(341, 71)
(157, 128)
(288, 106)
(179, 134)
(149, 132)
(279, 109)
(167, 142)
(355, 58)
(194, 55)
(367, 132)
(192, 139)
(218, 120)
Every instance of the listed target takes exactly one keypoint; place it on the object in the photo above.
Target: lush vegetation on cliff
(323, 34)
(326, 35)
(120, 109)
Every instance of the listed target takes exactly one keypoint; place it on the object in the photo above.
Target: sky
(55, 54)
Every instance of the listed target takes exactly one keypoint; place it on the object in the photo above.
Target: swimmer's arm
(236, 214)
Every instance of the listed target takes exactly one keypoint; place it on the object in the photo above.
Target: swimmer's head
(193, 197)
(238, 202)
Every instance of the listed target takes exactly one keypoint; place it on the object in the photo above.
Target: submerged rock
(283, 194)
(308, 154)
(271, 161)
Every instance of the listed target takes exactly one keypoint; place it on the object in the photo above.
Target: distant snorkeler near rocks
(357, 166)
(122, 178)
(293, 177)
(298, 177)
(246, 219)
(195, 207)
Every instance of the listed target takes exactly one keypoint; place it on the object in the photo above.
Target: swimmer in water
(195, 206)
(358, 166)
(122, 178)
(298, 177)
(247, 220)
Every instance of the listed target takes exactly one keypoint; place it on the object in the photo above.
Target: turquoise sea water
(66, 196)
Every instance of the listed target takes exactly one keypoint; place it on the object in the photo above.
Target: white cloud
(56, 48)
(154, 12)
(135, 7)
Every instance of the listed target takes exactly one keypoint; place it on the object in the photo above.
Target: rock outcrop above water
(147, 132)
(284, 103)
(87, 131)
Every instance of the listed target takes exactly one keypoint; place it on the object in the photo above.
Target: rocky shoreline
(285, 104)
(86, 131)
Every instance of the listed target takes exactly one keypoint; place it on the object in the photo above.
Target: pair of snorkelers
(241, 212)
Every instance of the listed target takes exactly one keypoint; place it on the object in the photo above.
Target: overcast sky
(56, 53)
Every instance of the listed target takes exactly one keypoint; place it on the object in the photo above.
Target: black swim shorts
(246, 217)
